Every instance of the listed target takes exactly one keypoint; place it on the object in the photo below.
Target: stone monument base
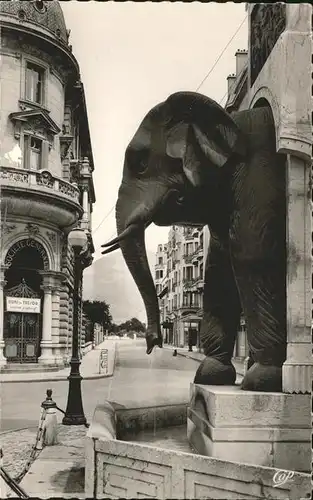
(267, 429)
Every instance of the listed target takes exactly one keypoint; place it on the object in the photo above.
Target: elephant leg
(262, 290)
(221, 315)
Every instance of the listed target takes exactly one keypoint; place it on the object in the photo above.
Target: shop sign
(23, 305)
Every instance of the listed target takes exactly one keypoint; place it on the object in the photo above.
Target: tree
(98, 312)
(137, 326)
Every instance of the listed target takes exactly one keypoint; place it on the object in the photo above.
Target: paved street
(138, 379)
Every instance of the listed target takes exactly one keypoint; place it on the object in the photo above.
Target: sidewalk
(89, 368)
(59, 471)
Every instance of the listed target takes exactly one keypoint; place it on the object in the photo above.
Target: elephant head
(170, 171)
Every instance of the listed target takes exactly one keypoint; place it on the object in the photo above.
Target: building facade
(46, 182)
(180, 291)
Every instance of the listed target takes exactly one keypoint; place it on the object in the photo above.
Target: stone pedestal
(267, 429)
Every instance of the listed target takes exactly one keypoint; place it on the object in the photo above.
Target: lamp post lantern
(74, 414)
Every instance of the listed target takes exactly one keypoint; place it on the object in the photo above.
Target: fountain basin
(144, 453)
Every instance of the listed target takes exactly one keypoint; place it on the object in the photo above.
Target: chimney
(230, 84)
(241, 59)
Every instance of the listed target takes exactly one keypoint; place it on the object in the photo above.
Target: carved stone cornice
(36, 119)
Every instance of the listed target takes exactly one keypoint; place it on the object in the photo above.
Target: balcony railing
(197, 254)
(187, 257)
(194, 282)
(192, 305)
(188, 282)
(41, 180)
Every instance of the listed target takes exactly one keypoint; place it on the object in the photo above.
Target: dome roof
(45, 15)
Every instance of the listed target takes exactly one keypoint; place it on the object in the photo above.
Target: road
(139, 380)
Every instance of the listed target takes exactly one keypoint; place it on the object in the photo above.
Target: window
(34, 83)
(189, 248)
(188, 273)
(32, 153)
(160, 260)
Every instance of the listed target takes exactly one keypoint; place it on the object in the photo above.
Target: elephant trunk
(134, 252)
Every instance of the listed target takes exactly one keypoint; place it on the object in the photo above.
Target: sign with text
(103, 361)
(23, 305)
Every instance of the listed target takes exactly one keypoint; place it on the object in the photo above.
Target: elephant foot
(213, 372)
(264, 378)
(152, 341)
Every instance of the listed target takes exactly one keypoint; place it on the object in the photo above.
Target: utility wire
(104, 218)
(199, 86)
(219, 57)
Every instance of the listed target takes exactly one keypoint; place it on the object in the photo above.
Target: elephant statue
(192, 163)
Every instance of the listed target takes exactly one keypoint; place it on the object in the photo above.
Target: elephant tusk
(124, 234)
(115, 247)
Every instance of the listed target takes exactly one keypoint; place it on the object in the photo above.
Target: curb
(188, 356)
(56, 379)
(241, 373)
(62, 378)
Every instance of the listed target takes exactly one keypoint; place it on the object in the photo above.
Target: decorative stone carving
(65, 143)
(268, 21)
(7, 228)
(32, 229)
(40, 6)
(52, 238)
(21, 15)
(68, 189)
(37, 121)
(74, 169)
(28, 242)
(13, 176)
(44, 178)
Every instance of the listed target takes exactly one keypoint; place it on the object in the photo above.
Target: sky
(133, 56)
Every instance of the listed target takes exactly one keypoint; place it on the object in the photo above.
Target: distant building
(46, 182)
(180, 291)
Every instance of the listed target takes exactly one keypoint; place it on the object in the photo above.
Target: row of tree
(99, 312)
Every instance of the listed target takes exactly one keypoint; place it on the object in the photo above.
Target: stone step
(28, 367)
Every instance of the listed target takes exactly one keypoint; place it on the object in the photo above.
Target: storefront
(29, 304)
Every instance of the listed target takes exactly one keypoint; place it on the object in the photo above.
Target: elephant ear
(204, 128)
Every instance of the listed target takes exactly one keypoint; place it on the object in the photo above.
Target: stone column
(55, 326)
(297, 369)
(85, 218)
(46, 342)
(2, 285)
(85, 202)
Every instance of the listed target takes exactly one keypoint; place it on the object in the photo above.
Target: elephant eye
(142, 167)
(138, 161)
(180, 200)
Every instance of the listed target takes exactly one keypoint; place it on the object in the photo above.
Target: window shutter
(45, 155)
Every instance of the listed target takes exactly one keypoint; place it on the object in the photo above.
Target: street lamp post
(74, 414)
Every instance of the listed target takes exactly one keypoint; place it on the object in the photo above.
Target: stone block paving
(16, 447)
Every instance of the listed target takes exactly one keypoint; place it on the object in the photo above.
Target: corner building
(46, 183)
